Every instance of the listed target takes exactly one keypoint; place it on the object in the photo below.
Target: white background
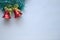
(40, 21)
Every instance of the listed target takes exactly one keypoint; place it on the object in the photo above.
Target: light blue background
(40, 21)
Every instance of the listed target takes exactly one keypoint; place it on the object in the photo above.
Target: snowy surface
(40, 21)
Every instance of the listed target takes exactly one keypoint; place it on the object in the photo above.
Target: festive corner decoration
(12, 6)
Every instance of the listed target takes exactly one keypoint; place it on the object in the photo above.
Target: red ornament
(6, 15)
(17, 13)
